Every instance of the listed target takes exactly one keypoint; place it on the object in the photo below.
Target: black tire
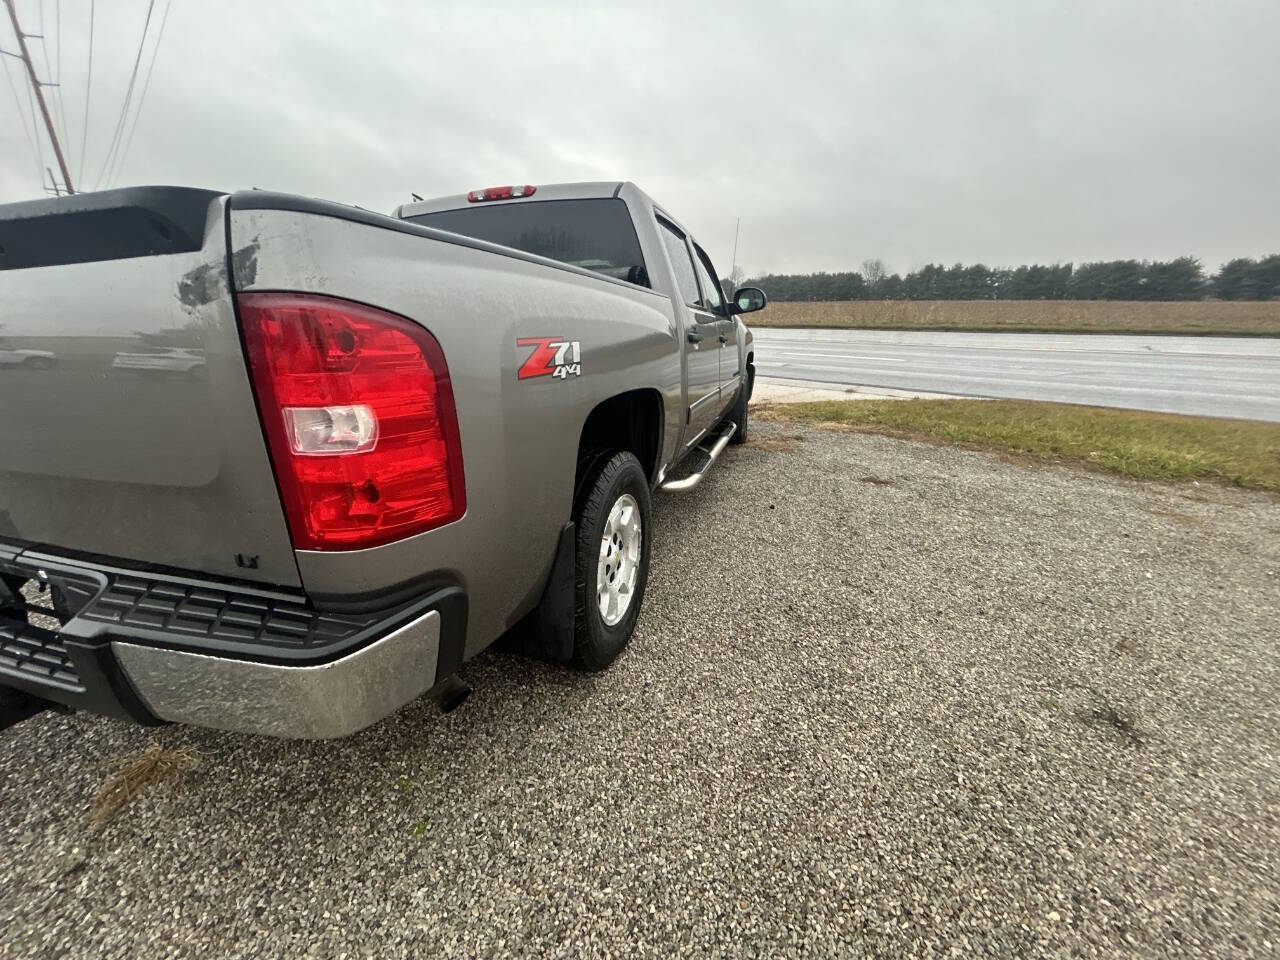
(738, 413)
(596, 642)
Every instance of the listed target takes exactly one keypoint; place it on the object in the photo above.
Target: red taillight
(359, 417)
(501, 193)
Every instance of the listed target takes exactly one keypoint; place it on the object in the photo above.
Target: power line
(28, 116)
(57, 69)
(88, 78)
(24, 116)
(22, 119)
(146, 85)
(35, 130)
(128, 96)
(60, 121)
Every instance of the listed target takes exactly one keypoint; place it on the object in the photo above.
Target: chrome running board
(691, 481)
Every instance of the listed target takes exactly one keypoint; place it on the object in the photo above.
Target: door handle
(693, 336)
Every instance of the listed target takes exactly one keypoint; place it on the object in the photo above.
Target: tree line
(1183, 278)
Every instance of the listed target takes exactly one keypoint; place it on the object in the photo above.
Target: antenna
(37, 86)
(733, 266)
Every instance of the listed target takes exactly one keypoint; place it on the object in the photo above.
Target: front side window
(678, 253)
(711, 297)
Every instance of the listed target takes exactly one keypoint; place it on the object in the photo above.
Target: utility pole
(37, 86)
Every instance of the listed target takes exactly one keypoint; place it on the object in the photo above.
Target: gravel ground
(884, 699)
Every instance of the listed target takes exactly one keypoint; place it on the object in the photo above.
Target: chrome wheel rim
(619, 566)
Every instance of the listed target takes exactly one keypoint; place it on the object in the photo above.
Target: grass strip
(1148, 446)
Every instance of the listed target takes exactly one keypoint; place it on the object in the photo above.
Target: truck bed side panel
(519, 437)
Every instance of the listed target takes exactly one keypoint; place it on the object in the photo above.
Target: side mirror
(749, 300)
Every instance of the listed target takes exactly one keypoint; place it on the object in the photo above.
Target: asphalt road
(884, 699)
(1214, 376)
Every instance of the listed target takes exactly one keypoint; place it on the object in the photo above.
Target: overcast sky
(915, 132)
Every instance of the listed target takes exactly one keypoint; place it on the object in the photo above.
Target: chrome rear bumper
(331, 699)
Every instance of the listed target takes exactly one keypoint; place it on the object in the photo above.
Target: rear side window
(594, 234)
(673, 240)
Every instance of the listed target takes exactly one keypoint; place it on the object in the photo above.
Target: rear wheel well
(630, 421)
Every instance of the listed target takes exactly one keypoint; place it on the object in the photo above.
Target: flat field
(1252, 318)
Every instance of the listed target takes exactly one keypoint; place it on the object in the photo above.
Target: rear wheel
(613, 523)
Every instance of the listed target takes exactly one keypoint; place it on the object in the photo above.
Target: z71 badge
(551, 357)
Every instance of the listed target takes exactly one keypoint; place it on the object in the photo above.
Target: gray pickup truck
(283, 465)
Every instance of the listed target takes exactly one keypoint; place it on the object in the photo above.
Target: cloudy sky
(1004, 132)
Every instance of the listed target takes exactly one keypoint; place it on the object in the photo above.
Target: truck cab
(618, 230)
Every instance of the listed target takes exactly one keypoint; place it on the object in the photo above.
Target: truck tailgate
(128, 427)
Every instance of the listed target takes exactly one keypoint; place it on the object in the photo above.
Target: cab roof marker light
(501, 193)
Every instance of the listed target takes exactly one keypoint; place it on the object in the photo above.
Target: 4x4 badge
(551, 357)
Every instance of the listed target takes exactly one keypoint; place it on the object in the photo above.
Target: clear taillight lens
(359, 416)
(316, 431)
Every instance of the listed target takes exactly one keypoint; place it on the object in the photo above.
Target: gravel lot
(884, 699)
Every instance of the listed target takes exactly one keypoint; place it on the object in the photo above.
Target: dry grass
(1149, 446)
(775, 444)
(1031, 316)
(154, 765)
